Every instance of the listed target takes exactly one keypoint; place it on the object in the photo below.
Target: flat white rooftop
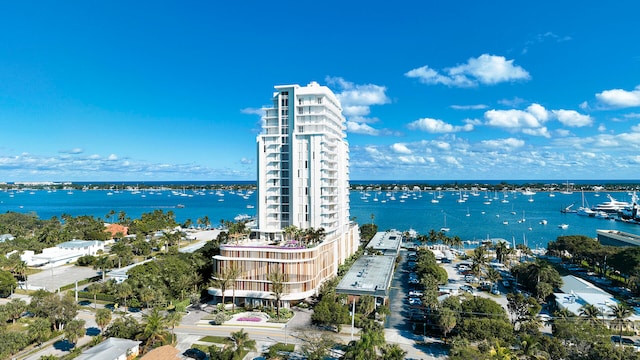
(369, 275)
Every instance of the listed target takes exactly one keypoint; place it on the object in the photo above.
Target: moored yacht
(611, 206)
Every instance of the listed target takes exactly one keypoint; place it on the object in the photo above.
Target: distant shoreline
(491, 185)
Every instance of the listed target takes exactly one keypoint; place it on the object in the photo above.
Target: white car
(415, 301)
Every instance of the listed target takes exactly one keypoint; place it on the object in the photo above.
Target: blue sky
(431, 89)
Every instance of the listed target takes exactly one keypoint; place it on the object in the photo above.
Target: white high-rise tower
(303, 163)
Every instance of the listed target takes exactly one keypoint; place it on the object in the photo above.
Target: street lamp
(285, 334)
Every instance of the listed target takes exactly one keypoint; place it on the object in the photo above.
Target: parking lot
(52, 279)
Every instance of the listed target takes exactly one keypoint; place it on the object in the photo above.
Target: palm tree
(74, 330)
(173, 319)
(530, 348)
(278, 280)
(502, 251)
(241, 342)
(456, 242)
(221, 281)
(103, 318)
(232, 274)
(492, 275)
(103, 263)
(591, 313)
(94, 289)
(447, 321)
(289, 232)
(39, 330)
(478, 259)
(14, 309)
(620, 313)
(123, 292)
(147, 295)
(154, 328)
(393, 352)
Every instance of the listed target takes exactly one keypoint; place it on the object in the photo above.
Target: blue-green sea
(477, 218)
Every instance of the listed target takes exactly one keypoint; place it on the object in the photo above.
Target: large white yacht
(611, 206)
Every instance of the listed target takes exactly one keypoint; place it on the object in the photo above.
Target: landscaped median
(243, 319)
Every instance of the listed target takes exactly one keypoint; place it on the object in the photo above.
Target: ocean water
(518, 220)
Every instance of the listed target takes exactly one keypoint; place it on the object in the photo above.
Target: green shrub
(220, 318)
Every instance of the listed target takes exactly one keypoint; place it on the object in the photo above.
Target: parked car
(415, 293)
(625, 341)
(467, 288)
(415, 301)
(195, 354)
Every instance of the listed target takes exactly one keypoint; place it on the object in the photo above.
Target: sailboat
(585, 210)
(435, 199)
(445, 228)
(468, 214)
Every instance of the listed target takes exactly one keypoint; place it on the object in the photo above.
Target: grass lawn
(214, 339)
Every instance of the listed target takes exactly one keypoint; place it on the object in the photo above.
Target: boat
(180, 206)
(567, 191)
(584, 210)
(445, 228)
(242, 217)
(611, 206)
(568, 209)
(543, 222)
(563, 226)
(631, 212)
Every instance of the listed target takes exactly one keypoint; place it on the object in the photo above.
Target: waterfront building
(61, 254)
(372, 274)
(617, 238)
(576, 293)
(303, 183)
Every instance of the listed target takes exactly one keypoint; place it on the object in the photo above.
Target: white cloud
(602, 128)
(400, 148)
(358, 98)
(361, 128)
(451, 160)
(572, 118)
(533, 117)
(252, 111)
(73, 151)
(485, 69)
(502, 144)
(541, 131)
(436, 126)
(112, 157)
(442, 145)
(356, 101)
(515, 102)
(469, 107)
(412, 159)
(635, 128)
(620, 98)
(584, 105)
